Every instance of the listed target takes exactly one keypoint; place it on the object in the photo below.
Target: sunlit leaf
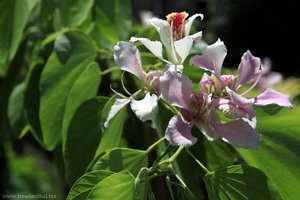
(84, 88)
(120, 159)
(119, 186)
(84, 185)
(239, 182)
(73, 52)
(278, 154)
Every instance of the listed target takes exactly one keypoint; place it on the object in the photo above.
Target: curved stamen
(123, 86)
(117, 93)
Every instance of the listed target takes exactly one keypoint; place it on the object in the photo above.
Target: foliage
(58, 76)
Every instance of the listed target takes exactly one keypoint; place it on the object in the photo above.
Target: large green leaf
(119, 186)
(120, 159)
(84, 185)
(112, 21)
(239, 182)
(13, 19)
(73, 52)
(16, 114)
(113, 134)
(72, 13)
(83, 137)
(85, 87)
(278, 154)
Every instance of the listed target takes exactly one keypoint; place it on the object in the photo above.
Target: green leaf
(13, 19)
(16, 114)
(119, 186)
(218, 154)
(239, 182)
(85, 87)
(112, 21)
(142, 187)
(278, 154)
(32, 101)
(120, 159)
(83, 137)
(73, 52)
(84, 185)
(72, 13)
(112, 135)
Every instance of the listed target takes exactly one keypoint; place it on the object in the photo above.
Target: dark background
(267, 28)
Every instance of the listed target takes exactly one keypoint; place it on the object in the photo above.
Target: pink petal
(238, 133)
(179, 133)
(212, 58)
(269, 80)
(271, 96)
(176, 89)
(128, 57)
(249, 68)
(239, 99)
(118, 105)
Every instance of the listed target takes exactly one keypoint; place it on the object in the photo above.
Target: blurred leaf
(84, 185)
(16, 113)
(13, 19)
(83, 137)
(239, 182)
(32, 101)
(73, 52)
(290, 86)
(72, 13)
(84, 88)
(120, 159)
(113, 21)
(278, 154)
(112, 135)
(119, 186)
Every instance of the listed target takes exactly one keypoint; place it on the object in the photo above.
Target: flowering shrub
(145, 113)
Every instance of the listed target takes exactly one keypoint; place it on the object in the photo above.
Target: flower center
(176, 21)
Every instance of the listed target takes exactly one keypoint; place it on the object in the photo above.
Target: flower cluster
(218, 108)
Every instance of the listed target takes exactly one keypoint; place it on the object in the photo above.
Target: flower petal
(176, 89)
(143, 108)
(238, 133)
(189, 23)
(212, 58)
(154, 46)
(249, 68)
(128, 57)
(269, 80)
(179, 133)
(118, 105)
(239, 99)
(184, 45)
(271, 96)
(166, 36)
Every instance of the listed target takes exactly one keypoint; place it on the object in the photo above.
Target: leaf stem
(155, 144)
(197, 161)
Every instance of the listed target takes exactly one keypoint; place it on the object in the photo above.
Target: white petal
(166, 36)
(189, 23)
(184, 45)
(177, 68)
(118, 105)
(154, 46)
(143, 108)
(206, 130)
